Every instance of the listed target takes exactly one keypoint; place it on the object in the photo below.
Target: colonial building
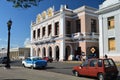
(65, 33)
(109, 28)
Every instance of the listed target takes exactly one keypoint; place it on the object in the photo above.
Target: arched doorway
(67, 53)
(50, 52)
(93, 51)
(44, 52)
(57, 53)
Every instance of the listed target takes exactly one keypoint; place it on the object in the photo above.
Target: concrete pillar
(31, 51)
(53, 28)
(101, 40)
(40, 32)
(47, 52)
(46, 31)
(62, 35)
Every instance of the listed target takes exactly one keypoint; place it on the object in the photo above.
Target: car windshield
(36, 58)
(84, 64)
(108, 63)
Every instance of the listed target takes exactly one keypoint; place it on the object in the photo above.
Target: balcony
(77, 35)
(85, 36)
(44, 40)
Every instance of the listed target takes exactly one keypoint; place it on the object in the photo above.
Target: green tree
(24, 3)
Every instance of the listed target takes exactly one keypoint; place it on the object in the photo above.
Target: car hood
(75, 67)
(40, 61)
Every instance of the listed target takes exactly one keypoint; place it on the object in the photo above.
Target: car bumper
(39, 66)
(111, 74)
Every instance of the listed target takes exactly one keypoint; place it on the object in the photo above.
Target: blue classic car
(34, 62)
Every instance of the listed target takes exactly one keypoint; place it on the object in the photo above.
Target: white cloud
(27, 41)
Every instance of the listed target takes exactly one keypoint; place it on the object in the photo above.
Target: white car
(34, 62)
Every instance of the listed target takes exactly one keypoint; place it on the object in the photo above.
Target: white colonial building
(65, 33)
(109, 28)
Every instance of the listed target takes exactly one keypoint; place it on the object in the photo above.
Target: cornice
(109, 9)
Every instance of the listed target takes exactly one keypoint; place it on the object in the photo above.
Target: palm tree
(24, 3)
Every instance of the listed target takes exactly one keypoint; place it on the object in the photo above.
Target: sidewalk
(80, 62)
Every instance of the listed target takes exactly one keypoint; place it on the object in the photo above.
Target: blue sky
(20, 31)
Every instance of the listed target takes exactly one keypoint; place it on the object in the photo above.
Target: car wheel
(76, 73)
(43, 67)
(114, 78)
(101, 76)
(32, 67)
(23, 65)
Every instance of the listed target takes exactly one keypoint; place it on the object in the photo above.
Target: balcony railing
(44, 40)
(85, 36)
(74, 36)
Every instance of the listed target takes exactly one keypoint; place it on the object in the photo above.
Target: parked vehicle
(3, 60)
(48, 59)
(34, 62)
(103, 69)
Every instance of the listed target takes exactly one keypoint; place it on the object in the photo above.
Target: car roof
(33, 57)
(99, 58)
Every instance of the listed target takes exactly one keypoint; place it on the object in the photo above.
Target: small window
(28, 59)
(34, 33)
(111, 22)
(93, 63)
(43, 33)
(93, 25)
(85, 63)
(111, 44)
(38, 33)
(108, 63)
(99, 63)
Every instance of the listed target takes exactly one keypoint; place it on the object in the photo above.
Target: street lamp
(9, 24)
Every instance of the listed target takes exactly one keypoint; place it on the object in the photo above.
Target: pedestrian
(106, 56)
(57, 59)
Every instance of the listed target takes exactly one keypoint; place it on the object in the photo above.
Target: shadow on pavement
(14, 79)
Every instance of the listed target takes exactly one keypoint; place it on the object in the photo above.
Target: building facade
(3, 52)
(109, 28)
(19, 53)
(65, 33)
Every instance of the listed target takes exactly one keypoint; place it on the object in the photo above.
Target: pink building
(65, 33)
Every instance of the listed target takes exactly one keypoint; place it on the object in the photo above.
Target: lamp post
(9, 24)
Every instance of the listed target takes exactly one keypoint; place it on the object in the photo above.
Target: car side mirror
(81, 65)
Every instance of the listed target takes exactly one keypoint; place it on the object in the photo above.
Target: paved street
(54, 71)
(20, 73)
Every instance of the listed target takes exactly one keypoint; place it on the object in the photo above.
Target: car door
(28, 62)
(83, 69)
(92, 68)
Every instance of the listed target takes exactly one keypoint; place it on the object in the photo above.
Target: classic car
(34, 62)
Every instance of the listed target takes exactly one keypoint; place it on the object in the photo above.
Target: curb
(80, 62)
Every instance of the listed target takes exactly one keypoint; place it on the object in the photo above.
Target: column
(62, 35)
(101, 40)
(40, 32)
(53, 28)
(62, 50)
(31, 39)
(46, 33)
(47, 52)
(31, 51)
